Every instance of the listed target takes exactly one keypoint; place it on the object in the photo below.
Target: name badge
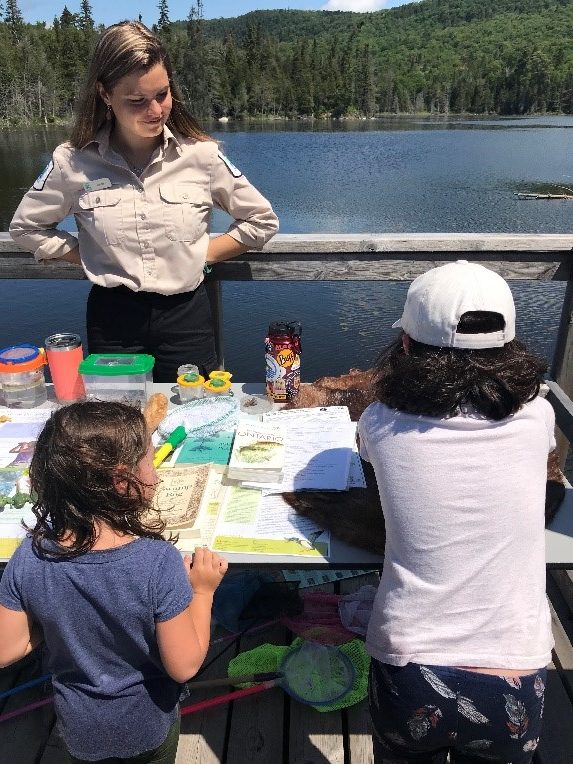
(97, 185)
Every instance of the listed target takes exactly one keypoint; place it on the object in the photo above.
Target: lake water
(397, 175)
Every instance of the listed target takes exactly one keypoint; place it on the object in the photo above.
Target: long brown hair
(437, 382)
(82, 452)
(123, 49)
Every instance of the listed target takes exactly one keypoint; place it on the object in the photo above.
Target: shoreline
(320, 119)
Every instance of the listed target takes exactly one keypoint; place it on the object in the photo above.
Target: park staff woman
(141, 179)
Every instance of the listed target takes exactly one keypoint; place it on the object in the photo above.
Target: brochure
(214, 449)
(252, 524)
(179, 495)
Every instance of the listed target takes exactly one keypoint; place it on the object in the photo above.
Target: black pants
(175, 329)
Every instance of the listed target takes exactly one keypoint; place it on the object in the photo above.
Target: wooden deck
(271, 728)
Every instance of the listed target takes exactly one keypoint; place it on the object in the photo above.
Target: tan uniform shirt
(148, 233)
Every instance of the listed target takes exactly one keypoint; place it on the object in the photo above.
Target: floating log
(523, 195)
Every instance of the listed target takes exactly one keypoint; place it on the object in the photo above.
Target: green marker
(177, 436)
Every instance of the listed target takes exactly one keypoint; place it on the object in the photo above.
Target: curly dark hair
(436, 381)
(82, 453)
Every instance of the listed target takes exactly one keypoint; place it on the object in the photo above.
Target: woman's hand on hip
(73, 257)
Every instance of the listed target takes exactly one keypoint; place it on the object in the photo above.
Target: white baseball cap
(437, 300)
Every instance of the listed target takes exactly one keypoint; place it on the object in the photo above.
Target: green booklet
(213, 449)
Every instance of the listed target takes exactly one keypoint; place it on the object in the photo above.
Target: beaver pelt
(356, 516)
(355, 390)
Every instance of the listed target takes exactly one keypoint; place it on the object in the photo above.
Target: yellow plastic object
(190, 386)
(162, 453)
(220, 374)
(177, 436)
(217, 386)
(190, 380)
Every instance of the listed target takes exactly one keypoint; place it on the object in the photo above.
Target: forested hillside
(440, 56)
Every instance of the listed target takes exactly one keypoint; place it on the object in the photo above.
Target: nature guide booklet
(201, 533)
(178, 495)
(258, 453)
(250, 523)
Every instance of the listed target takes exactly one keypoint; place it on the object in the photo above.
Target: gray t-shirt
(98, 612)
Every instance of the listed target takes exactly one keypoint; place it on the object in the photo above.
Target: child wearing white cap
(459, 440)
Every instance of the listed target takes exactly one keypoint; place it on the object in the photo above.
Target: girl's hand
(205, 570)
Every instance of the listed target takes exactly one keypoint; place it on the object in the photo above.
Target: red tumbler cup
(64, 353)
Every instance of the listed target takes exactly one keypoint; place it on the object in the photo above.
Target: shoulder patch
(235, 172)
(43, 177)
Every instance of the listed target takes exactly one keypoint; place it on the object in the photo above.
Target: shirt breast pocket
(186, 209)
(103, 209)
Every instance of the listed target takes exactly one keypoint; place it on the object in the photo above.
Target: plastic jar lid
(217, 385)
(24, 357)
(225, 375)
(190, 380)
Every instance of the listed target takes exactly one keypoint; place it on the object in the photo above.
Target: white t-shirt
(464, 572)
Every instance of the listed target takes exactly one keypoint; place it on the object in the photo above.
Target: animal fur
(355, 390)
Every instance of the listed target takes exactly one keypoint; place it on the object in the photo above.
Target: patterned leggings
(422, 713)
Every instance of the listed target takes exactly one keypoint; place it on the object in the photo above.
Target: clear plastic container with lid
(187, 368)
(22, 376)
(190, 386)
(213, 387)
(118, 377)
(220, 374)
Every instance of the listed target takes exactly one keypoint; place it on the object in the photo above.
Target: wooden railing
(369, 257)
(377, 257)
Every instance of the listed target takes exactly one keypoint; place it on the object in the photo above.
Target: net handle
(228, 697)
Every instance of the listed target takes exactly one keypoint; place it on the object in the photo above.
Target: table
(558, 536)
(342, 555)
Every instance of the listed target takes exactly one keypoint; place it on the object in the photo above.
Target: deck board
(272, 728)
(314, 737)
(256, 729)
(203, 734)
(358, 727)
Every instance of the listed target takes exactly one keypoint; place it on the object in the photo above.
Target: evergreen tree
(366, 83)
(481, 56)
(196, 70)
(86, 21)
(13, 15)
(163, 23)
(67, 18)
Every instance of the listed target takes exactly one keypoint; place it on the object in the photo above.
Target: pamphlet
(337, 413)
(252, 524)
(201, 533)
(19, 430)
(317, 457)
(179, 495)
(214, 449)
